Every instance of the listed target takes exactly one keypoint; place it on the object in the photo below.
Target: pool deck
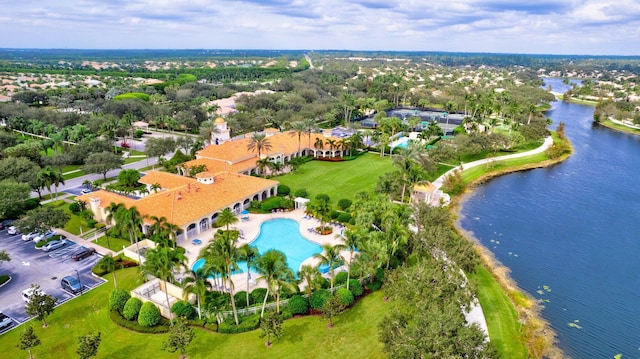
(250, 229)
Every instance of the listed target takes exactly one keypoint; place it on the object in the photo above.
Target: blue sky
(594, 27)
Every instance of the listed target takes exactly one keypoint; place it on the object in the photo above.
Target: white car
(53, 245)
(5, 322)
(44, 236)
(13, 230)
(27, 293)
(86, 191)
(29, 236)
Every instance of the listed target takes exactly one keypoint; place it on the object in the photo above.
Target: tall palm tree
(298, 128)
(249, 254)
(227, 218)
(108, 264)
(312, 277)
(207, 129)
(259, 143)
(407, 161)
(161, 262)
(273, 267)
(331, 257)
(262, 164)
(128, 220)
(196, 282)
(351, 239)
(310, 125)
(225, 246)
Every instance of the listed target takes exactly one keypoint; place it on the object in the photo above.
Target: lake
(570, 233)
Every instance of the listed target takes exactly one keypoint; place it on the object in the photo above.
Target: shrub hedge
(341, 278)
(355, 287)
(257, 295)
(345, 295)
(163, 327)
(375, 285)
(149, 315)
(318, 298)
(132, 308)
(283, 190)
(323, 196)
(344, 203)
(298, 305)
(302, 192)
(247, 324)
(241, 299)
(184, 309)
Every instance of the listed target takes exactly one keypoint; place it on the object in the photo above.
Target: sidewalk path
(440, 180)
(83, 242)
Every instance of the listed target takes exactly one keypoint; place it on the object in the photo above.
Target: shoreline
(620, 128)
(539, 336)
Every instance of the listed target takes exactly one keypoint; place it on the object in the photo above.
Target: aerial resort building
(192, 200)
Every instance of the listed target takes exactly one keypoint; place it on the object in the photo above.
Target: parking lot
(29, 265)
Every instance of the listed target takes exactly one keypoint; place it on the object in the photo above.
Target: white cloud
(544, 26)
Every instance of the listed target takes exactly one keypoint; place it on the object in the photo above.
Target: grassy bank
(527, 334)
(617, 127)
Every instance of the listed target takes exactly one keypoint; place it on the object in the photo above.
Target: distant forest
(15, 60)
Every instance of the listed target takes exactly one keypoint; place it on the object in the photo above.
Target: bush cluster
(355, 287)
(134, 326)
(283, 190)
(257, 295)
(346, 297)
(318, 298)
(183, 309)
(298, 305)
(344, 204)
(241, 299)
(341, 278)
(132, 308)
(302, 192)
(149, 315)
(246, 324)
(275, 203)
(118, 299)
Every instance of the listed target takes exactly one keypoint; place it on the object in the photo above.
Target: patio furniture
(196, 241)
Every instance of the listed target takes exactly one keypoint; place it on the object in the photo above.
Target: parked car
(6, 223)
(29, 236)
(82, 252)
(53, 245)
(86, 191)
(27, 293)
(5, 322)
(71, 284)
(44, 236)
(13, 230)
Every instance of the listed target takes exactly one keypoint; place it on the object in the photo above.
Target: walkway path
(440, 180)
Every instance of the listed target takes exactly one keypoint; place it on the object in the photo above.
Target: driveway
(33, 266)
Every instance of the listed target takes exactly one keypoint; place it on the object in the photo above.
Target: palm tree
(108, 264)
(298, 128)
(249, 254)
(351, 239)
(264, 116)
(225, 247)
(312, 277)
(262, 164)
(155, 187)
(196, 282)
(331, 257)
(227, 218)
(406, 161)
(259, 142)
(207, 129)
(310, 125)
(161, 262)
(128, 220)
(273, 267)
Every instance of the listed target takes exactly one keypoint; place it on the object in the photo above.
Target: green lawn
(355, 334)
(338, 179)
(115, 244)
(502, 319)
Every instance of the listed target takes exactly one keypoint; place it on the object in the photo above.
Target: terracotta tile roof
(165, 179)
(284, 142)
(220, 166)
(188, 204)
(191, 202)
(106, 198)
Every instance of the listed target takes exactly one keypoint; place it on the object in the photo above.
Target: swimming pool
(284, 235)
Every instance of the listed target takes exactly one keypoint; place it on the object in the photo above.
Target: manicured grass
(339, 179)
(72, 175)
(354, 335)
(501, 317)
(75, 222)
(615, 126)
(115, 244)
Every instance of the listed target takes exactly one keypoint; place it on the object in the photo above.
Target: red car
(82, 253)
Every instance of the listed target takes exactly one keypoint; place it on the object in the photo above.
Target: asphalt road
(34, 266)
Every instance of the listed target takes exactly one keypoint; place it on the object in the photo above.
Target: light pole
(81, 285)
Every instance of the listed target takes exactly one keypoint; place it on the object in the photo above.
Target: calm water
(571, 235)
(284, 235)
